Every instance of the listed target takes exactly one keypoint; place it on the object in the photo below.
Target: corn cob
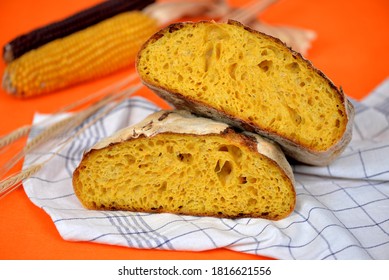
(90, 53)
(69, 25)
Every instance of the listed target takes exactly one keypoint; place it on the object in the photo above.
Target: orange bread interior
(220, 175)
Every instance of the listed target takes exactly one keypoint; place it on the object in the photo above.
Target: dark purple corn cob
(59, 29)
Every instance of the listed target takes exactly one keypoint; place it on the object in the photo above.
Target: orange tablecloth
(352, 49)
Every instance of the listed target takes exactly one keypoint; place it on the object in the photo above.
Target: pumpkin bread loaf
(179, 163)
(245, 78)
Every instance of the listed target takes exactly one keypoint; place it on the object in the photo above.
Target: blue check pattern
(342, 210)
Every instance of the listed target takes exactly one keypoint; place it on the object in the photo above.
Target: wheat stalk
(103, 92)
(11, 183)
(14, 135)
(53, 131)
(23, 131)
(248, 11)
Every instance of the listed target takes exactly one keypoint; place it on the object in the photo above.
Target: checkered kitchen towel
(342, 210)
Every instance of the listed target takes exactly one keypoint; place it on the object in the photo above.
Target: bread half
(179, 163)
(253, 81)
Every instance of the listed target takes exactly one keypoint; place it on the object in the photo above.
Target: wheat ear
(11, 183)
(248, 11)
(23, 131)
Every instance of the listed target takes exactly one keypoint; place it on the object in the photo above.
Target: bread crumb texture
(247, 74)
(209, 175)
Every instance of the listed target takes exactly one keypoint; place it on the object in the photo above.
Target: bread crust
(184, 122)
(295, 150)
(165, 122)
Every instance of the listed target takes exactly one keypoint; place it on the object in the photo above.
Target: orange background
(352, 49)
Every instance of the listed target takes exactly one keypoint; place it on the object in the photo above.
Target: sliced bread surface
(179, 163)
(248, 79)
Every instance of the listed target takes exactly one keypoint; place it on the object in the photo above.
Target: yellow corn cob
(90, 53)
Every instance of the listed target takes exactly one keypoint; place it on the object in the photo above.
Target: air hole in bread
(265, 65)
(162, 187)
(234, 151)
(337, 123)
(130, 159)
(169, 149)
(242, 180)
(218, 50)
(294, 115)
(232, 70)
(293, 67)
(185, 157)
(223, 170)
(251, 202)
